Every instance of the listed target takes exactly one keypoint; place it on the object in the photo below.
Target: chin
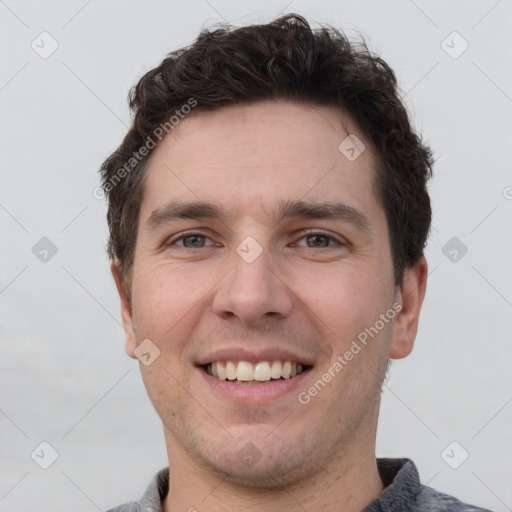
(253, 460)
(266, 473)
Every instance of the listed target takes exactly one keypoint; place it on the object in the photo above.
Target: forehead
(248, 157)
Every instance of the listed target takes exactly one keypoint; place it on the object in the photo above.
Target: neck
(350, 478)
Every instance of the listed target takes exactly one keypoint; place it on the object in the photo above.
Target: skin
(302, 293)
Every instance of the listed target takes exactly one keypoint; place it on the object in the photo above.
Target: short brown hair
(284, 59)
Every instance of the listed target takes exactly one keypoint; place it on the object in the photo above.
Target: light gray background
(65, 378)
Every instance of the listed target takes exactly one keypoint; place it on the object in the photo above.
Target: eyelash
(188, 234)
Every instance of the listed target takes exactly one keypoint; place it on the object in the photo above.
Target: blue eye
(194, 240)
(325, 240)
(191, 240)
(319, 240)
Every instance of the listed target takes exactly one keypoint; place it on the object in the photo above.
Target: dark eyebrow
(285, 210)
(330, 211)
(175, 210)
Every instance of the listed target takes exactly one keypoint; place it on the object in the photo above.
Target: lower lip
(254, 393)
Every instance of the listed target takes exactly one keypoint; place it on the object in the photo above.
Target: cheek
(341, 302)
(164, 301)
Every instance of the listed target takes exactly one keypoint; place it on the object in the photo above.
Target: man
(268, 213)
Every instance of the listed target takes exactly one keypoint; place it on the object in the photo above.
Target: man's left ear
(412, 293)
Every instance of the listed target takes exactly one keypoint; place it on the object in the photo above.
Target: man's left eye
(319, 240)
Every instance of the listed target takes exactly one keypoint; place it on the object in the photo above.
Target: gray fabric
(403, 493)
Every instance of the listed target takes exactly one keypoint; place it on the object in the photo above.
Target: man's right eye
(190, 239)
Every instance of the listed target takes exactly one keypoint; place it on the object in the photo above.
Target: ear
(126, 310)
(406, 321)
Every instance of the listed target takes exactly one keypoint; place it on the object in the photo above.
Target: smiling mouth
(262, 372)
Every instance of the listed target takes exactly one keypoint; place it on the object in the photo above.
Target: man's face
(266, 289)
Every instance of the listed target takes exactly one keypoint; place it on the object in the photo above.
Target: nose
(253, 291)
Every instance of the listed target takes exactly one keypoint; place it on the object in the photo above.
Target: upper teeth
(246, 371)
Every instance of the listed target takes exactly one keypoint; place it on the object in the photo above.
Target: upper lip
(254, 355)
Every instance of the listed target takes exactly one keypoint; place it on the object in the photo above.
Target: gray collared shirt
(403, 493)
